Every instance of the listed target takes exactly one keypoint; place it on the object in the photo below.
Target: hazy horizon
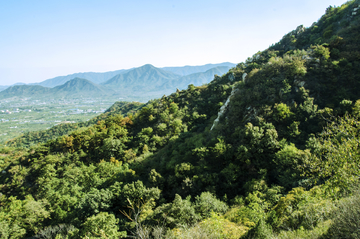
(19, 83)
(43, 40)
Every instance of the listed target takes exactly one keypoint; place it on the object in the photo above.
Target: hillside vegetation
(268, 150)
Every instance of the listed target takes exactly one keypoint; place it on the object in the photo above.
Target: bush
(101, 225)
(215, 227)
(346, 219)
(260, 231)
(207, 203)
(302, 233)
(61, 230)
(178, 213)
(328, 34)
(302, 209)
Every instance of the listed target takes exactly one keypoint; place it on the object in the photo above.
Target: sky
(41, 39)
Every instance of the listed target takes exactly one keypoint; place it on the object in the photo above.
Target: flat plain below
(18, 116)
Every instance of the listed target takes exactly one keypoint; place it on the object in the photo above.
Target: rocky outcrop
(223, 108)
(244, 77)
(231, 77)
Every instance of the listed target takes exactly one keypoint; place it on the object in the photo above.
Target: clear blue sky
(45, 39)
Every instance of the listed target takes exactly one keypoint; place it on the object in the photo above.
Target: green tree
(101, 225)
(336, 157)
(178, 213)
(207, 203)
(22, 217)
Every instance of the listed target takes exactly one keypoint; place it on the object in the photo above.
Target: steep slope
(336, 22)
(250, 151)
(145, 78)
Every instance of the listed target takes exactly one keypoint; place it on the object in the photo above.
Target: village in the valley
(18, 116)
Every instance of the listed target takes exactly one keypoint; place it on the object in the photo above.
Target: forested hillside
(268, 150)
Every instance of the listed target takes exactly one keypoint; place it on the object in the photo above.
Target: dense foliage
(268, 150)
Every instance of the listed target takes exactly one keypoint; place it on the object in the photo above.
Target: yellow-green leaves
(336, 157)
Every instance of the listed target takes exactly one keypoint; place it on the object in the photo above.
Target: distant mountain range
(81, 87)
(140, 83)
(94, 77)
(99, 78)
(187, 70)
(3, 87)
(196, 79)
(24, 90)
(74, 88)
(145, 78)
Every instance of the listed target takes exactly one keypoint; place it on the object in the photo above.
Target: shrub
(328, 34)
(101, 225)
(260, 231)
(215, 227)
(178, 213)
(346, 219)
(207, 203)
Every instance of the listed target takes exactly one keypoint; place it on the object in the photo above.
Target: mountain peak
(78, 79)
(77, 84)
(147, 67)
(141, 78)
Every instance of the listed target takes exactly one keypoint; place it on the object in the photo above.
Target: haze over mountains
(197, 79)
(139, 79)
(268, 150)
(94, 77)
(146, 81)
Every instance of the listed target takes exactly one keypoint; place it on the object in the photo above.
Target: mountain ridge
(146, 81)
(100, 77)
(268, 150)
(95, 77)
(83, 86)
(187, 70)
(24, 90)
(136, 78)
(196, 79)
(76, 87)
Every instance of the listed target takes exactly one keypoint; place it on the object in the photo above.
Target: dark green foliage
(280, 153)
(19, 218)
(178, 213)
(94, 202)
